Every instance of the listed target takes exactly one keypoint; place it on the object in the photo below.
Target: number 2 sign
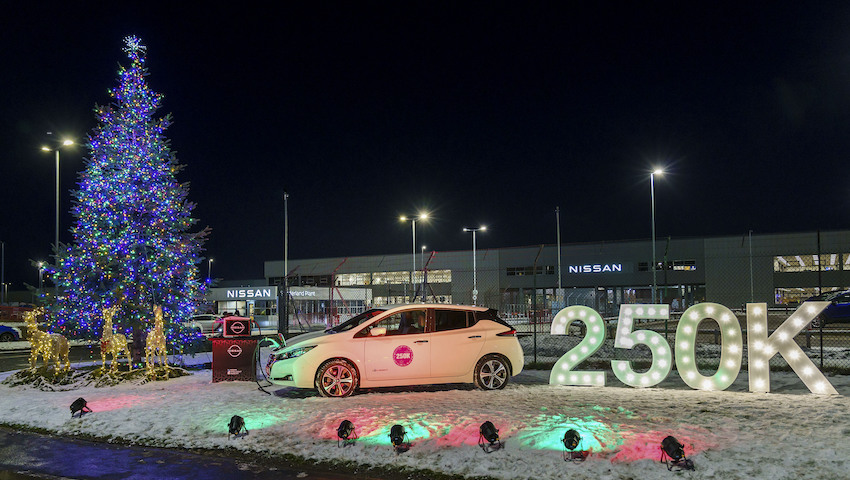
(760, 347)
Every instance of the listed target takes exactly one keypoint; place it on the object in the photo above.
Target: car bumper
(292, 372)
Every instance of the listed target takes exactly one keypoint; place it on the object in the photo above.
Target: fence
(828, 346)
(729, 271)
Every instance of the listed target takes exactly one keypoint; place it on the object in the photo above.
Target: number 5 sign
(760, 347)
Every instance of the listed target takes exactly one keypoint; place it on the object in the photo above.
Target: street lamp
(209, 269)
(403, 218)
(40, 266)
(652, 175)
(66, 143)
(474, 262)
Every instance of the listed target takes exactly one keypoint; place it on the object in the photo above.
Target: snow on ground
(788, 434)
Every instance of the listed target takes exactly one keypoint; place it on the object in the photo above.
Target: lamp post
(422, 261)
(283, 315)
(65, 143)
(3, 271)
(652, 175)
(40, 282)
(209, 270)
(403, 218)
(474, 261)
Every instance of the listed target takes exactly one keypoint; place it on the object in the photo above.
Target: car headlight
(295, 352)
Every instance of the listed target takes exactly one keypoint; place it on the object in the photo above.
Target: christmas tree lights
(132, 240)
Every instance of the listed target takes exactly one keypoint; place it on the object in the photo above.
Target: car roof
(432, 305)
(828, 295)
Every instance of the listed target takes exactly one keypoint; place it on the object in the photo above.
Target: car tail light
(509, 333)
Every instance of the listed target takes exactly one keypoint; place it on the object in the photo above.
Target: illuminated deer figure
(112, 343)
(50, 346)
(155, 345)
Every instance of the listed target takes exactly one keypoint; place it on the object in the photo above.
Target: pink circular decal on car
(403, 355)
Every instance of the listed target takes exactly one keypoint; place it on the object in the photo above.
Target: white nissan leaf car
(402, 345)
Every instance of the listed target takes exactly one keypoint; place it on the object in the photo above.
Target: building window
(353, 279)
(682, 265)
(522, 271)
(392, 278)
(676, 265)
(795, 296)
(434, 276)
(810, 263)
(315, 280)
(399, 299)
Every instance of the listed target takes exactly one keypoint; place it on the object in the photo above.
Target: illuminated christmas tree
(132, 242)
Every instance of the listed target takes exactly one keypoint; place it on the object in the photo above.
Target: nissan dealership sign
(243, 293)
(257, 293)
(265, 292)
(596, 268)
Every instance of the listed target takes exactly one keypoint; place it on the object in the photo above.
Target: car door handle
(421, 341)
(474, 336)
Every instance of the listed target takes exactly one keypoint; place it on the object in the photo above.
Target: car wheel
(492, 372)
(7, 337)
(816, 322)
(337, 378)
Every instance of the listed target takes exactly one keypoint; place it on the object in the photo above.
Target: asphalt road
(31, 455)
(18, 359)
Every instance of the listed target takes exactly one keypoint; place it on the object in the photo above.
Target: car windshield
(355, 321)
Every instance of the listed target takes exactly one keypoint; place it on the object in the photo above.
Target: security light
(673, 454)
(572, 441)
(236, 427)
(488, 437)
(80, 406)
(398, 438)
(344, 433)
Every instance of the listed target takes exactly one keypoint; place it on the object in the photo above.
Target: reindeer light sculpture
(50, 346)
(112, 343)
(155, 345)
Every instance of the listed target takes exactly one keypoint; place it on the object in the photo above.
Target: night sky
(480, 113)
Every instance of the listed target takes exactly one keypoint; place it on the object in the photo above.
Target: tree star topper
(134, 44)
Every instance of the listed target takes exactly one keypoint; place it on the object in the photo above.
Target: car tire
(492, 372)
(7, 337)
(337, 378)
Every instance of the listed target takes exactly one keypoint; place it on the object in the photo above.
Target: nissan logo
(234, 350)
(237, 327)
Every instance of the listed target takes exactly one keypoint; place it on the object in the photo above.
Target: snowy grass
(788, 434)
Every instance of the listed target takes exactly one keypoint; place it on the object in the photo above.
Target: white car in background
(383, 347)
(206, 323)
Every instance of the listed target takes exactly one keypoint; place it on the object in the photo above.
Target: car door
(839, 311)
(403, 352)
(455, 344)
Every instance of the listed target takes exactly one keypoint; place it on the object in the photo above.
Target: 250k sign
(761, 347)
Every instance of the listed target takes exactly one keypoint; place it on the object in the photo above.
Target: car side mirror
(378, 332)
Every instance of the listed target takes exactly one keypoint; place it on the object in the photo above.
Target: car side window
(413, 321)
(450, 320)
(401, 323)
(391, 323)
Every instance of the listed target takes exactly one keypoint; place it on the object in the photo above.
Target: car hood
(304, 337)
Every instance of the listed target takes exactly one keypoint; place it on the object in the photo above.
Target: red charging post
(233, 354)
